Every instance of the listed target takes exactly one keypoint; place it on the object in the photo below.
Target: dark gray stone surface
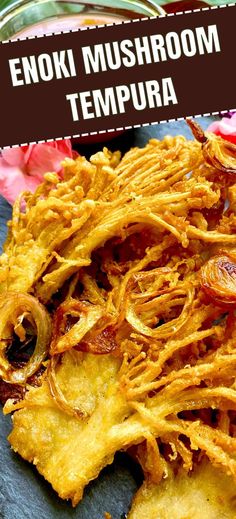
(24, 494)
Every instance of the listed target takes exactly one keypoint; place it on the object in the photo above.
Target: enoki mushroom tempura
(123, 275)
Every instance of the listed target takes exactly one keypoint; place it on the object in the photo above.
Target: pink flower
(226, 128)
(22, 169)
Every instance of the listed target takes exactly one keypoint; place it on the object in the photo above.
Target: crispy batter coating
(65, 221)
(70, 450)
(120, 252)
(206, 493)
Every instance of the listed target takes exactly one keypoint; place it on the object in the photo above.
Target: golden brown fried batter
(70, 448)
(206, 493)
(126, 255)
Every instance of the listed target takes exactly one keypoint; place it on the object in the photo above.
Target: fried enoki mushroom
(77, 444)
(207, 492)
(134, 259)
(65, 221)
(108, 406)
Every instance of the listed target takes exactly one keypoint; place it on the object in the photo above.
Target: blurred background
(6, 3)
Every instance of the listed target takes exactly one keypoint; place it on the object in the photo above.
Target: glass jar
(33, 17)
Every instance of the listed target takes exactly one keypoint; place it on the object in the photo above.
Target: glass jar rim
(8, 11)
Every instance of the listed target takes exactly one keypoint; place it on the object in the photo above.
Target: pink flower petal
(232, 121)
(226, 128)
(65, 147)
(22, 169)
(75, 154)
(46, 158)
(14, 157)
(28, 151)
(13, 181)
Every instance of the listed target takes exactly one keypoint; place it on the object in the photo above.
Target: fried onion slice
(14, 308)
(67, 335)
(218, 278)
(218, 152)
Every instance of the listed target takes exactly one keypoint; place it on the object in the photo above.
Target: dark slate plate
(24, 494)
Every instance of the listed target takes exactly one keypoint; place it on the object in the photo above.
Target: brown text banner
(117, 76)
